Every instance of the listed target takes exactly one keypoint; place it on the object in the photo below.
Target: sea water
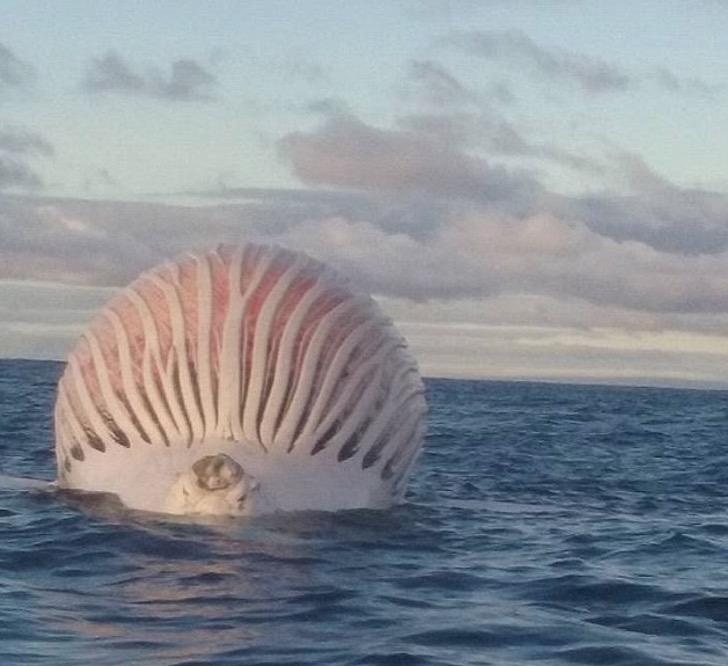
(546, 524)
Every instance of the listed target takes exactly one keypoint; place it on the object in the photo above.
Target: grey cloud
(431, 83)
(679, 221)
(425, 165)
(187, 80)
(299, 68)
(101, 242)
(280, 210)
(661, 249)
(654, 211)
(635, 173)
(431, 154)
(487, 254)
(436, 85)
(94, 242)
(14, 174)
(470, 251)
(17, 147)
(112, 73)
(591, 74)
(668, 80)
(496, 135)
(345, 152)
(14, 73)
(24, 142)
(501, 91)
(408, 212)
(314, 203)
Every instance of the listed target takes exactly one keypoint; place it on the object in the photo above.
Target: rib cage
(255, 345)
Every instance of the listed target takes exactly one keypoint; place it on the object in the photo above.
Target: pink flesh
(186, 279)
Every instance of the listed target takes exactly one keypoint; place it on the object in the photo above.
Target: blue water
(546, 524)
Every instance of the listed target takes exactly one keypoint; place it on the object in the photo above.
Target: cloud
(417, 211)
(494, 294)
(299, 68)
(346, 152)
(515, 47)
(17, 146)
(14, 73)
(659, 249)
(21, 141)
(430, 161)
(17, 174)
(469, 252)
(495, 134)
(186, 81)
(652, 211)
(691, 85)
(434, 84)
(591, 75)
(675, 220)
(97, 242)
(485, 253)
(457, 114)
(431, 84)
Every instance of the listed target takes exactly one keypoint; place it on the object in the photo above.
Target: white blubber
(242, 380)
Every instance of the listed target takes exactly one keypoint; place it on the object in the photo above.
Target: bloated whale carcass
(241, 380)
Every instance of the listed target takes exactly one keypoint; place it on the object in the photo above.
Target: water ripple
(547, 524)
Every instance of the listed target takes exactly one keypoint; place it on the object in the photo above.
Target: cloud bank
(551, 248)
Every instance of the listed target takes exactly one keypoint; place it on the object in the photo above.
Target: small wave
(714, 608)
(614, 656)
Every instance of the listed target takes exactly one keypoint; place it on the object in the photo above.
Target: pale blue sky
(545, 180)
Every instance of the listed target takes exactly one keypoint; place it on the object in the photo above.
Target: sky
(530, 189)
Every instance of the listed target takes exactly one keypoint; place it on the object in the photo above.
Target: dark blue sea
(547, 524)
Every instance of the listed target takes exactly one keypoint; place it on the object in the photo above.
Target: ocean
(546, 524)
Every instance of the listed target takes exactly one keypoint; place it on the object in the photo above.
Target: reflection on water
(190, 590)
